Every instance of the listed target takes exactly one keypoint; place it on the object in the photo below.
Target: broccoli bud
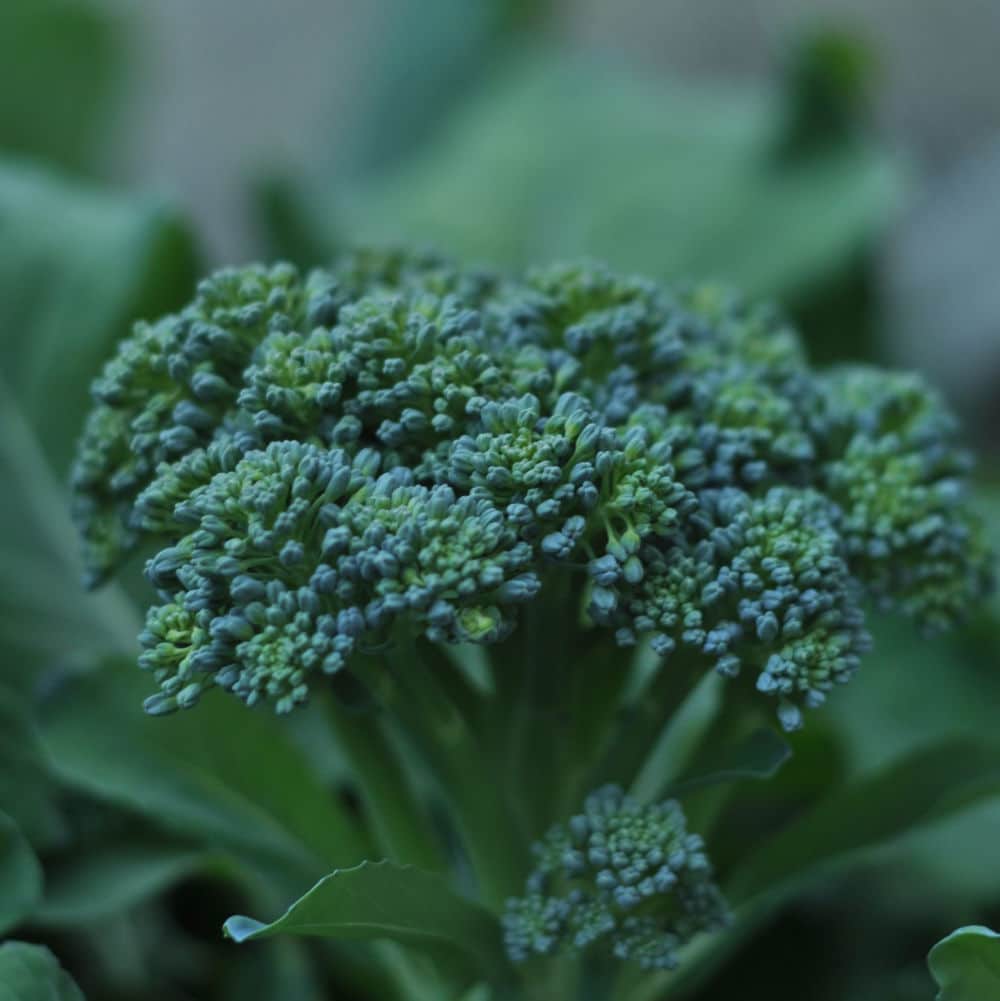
(623, 878)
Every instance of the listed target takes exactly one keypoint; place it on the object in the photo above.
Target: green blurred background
(842, 156)
(211, 102)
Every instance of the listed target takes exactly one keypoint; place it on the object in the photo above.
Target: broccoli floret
(619, 877)
(166, 391)
(389, 269)
(403, 373)
(401, 445)
(898, 474)
(238, 362)
(760, 580)
(299, 554)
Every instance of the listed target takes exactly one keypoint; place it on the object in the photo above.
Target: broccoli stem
(417, 695)
(596, 978)
(529, 735)
(558, 693)
(397, 816)
(640, 721)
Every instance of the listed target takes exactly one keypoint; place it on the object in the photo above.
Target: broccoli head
(315, 462)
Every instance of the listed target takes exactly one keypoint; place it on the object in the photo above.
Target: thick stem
(398, 818)
(559, 686)
(598, 976)
(639, 724)
(736, 719)
(532, 706)
(417, 696)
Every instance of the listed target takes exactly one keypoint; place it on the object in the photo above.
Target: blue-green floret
(399, 444)
(622, 878)
(392, 269)
(166, 390)
(569, 479)
(402, 373)
(154, 510)
(239, 362)
(899, 475)
(759, 582)
(300, 555)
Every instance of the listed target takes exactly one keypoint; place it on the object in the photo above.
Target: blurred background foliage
(140, 146)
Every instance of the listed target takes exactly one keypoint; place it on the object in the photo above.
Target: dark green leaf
(224, 774)
(386, 901)
(112, 880)
(966, 965)
(20, 876)
(32, 973)
(923, 787)
(26, 789)
(47, 616)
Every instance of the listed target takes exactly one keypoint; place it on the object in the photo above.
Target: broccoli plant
(551, 552)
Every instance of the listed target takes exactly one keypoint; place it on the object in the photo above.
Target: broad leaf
(47, 617)
(966, 965)
(386, 901)
(923, 787)
(226, 775)
(77, 265)
(20, 876)
(649, 176)
(32, 973)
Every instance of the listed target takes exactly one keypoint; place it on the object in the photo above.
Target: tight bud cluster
(314, 461)
(627, 879)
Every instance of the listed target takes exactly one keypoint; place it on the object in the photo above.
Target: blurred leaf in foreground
(966, 965)
(32, 973)
(20, 875)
